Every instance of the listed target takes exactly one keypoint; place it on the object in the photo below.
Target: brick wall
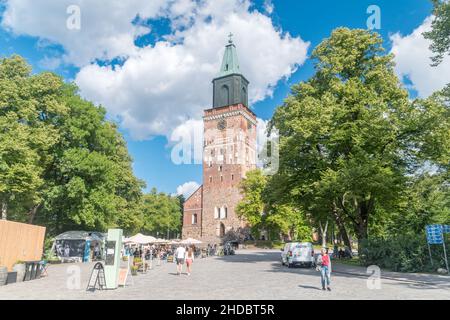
(193, 205)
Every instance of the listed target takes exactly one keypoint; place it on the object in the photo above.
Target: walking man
(180, 255)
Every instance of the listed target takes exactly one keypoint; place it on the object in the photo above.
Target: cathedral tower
(229, 152)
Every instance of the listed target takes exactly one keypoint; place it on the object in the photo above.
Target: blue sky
(170, 37)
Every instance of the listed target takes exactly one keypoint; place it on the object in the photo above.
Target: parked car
(298, 254)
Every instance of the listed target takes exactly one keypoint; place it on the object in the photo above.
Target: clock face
(222, 124)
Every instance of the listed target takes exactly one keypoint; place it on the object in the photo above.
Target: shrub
(402, 253)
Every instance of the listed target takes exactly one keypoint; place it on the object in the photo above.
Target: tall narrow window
(194, 218)
(216, 213)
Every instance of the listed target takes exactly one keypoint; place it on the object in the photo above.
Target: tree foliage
(63, 165)
(350, 137)
(440, 31)
(161, 213)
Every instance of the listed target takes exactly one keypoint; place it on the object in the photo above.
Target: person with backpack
(324, 266)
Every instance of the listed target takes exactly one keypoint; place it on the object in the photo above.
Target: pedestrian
(324, 266)
(180, 255)
(189, 260)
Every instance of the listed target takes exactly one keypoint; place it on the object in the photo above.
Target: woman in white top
(189, 260)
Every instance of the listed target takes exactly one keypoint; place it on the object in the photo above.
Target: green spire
(230, 63)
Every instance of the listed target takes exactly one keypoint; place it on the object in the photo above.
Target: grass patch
(350, 262)
(265, 244)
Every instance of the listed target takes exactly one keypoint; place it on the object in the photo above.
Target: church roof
(230, 62)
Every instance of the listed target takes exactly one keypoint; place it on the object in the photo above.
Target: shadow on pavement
(310, 287)
(410, 280)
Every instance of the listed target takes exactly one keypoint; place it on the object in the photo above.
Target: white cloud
(106, 29)
(160, 87)
(187, 189)
(412, 57)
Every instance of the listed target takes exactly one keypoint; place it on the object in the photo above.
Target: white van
(298, 253)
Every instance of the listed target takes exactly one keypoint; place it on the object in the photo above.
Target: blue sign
(446, 228)
(435, 234)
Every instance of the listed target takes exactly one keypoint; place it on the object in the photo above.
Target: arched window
(225, 94)
(222, 230)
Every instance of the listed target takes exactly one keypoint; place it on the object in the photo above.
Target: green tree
(90, 184)
(251, 207)
(161, 213)
(349, 136)
(61, 163)
(440, 31)
(29, 113)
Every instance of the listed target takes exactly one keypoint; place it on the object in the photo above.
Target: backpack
(319, 260)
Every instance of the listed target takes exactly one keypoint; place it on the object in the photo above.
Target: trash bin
(30, 273)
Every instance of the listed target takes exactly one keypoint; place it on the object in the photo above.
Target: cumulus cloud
(106, 25)
(163, 85)
(187, 189)
(412, 57)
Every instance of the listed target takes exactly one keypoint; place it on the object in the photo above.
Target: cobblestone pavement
(250, 274)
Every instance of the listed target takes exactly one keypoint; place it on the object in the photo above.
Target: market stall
(79, 246)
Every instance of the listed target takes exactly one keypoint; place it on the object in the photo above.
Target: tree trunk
(32, 214)
(341, 227)
(4, 210)
(362, 233)
(323, 231)
(362, 227)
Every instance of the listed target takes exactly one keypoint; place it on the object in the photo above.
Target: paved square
(250, 274)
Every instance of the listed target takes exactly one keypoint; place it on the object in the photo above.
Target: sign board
(110, 252)
(112, 263)
(435, 234)
(123, 275)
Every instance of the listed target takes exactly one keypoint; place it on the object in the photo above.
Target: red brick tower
(229, 152)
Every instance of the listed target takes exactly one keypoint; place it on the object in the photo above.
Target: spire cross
(230, 36)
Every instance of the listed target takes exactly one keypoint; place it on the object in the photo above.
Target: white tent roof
(161, 241)
(190, 241)
(141, 239)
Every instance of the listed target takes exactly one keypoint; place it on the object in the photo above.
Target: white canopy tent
(190, 241)
(140, 239)
(161, 241)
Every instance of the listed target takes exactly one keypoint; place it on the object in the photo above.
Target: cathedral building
(229, 151)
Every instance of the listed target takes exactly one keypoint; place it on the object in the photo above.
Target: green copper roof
(230, 62)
